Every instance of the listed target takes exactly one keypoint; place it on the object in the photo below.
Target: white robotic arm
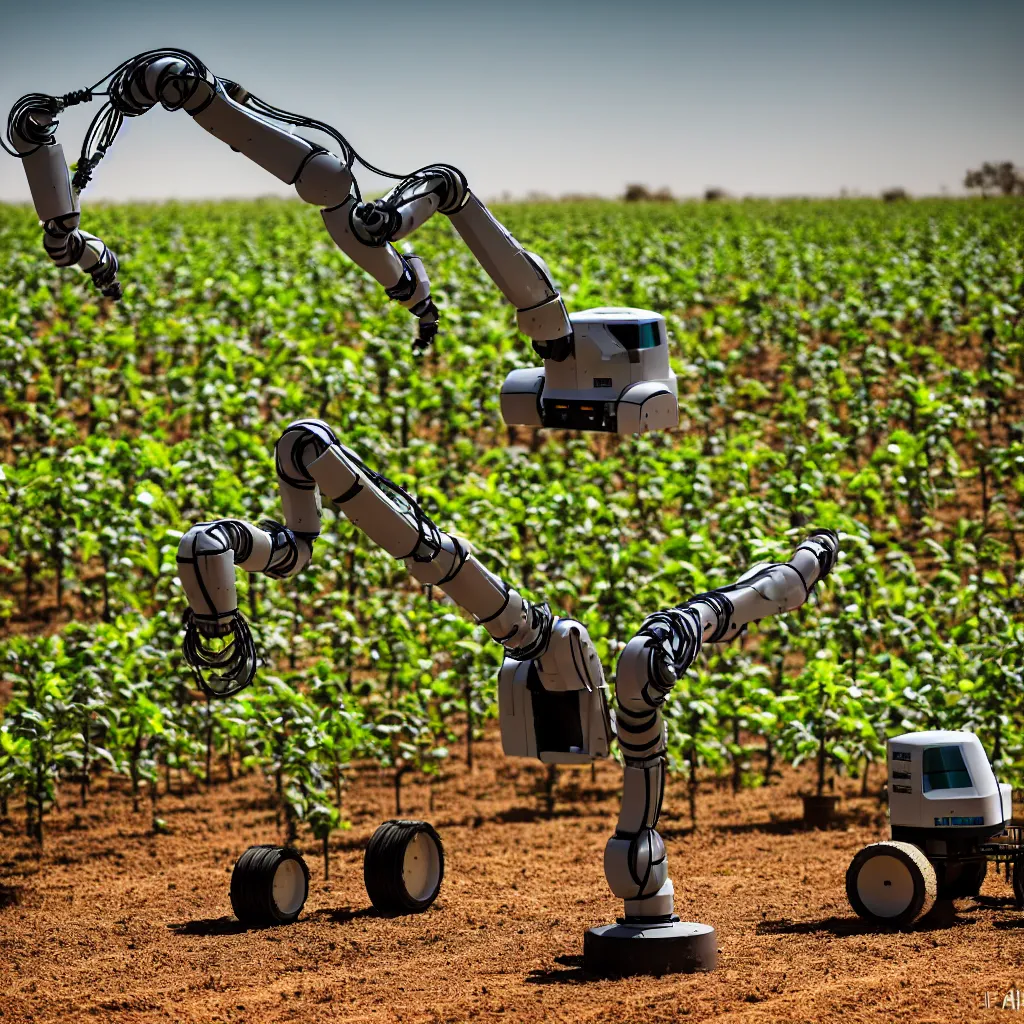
(549, 660)
(663, 649)
(178, 80)
(30, 129)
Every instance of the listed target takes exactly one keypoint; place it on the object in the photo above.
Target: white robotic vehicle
(615, 377)
(949, 817)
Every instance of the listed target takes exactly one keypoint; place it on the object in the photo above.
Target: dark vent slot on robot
(579, 415)
(556, 717)
(901, 775)
(901, 755)
(902, 789)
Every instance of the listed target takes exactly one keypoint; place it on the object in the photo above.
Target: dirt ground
(118, 924)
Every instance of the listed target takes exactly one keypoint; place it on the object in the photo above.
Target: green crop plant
(845, 364)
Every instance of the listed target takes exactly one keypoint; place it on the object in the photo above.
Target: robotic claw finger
(552, 693)
(603, 369)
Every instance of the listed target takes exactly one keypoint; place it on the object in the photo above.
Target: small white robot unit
(614, 377)
(605, 369)
(945, 808)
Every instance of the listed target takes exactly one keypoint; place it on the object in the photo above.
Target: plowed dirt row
(117, 924)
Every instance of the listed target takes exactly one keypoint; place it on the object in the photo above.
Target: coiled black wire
(225, 671)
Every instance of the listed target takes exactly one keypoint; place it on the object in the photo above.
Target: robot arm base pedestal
(625, 949)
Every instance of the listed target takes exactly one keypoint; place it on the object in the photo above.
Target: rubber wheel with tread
(403, 867)
(891, 884)
(269, 885)
(1018, 883)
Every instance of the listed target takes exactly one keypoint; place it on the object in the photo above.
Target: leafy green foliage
(852, 365)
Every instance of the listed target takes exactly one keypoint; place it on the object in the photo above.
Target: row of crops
(842, 364)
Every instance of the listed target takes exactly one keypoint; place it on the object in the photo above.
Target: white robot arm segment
(636, 865)
(56, 203)
(550, 668)
(522, 276)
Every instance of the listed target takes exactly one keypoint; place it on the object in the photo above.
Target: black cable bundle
(674, 639)
(541, 621)
(220, 672)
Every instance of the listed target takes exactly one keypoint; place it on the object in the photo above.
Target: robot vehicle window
(636, 336)
(944, 768)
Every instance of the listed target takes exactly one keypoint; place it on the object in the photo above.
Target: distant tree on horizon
(1002, 177)
(637, 193)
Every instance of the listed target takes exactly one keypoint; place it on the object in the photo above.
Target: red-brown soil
(119, 925)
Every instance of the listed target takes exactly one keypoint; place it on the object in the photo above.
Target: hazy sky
(756, 96)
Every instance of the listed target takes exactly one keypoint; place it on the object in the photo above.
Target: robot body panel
(521, 397)
(49, 183)
(615, 378)
(941, 781)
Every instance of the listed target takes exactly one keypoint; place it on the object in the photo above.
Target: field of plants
(846, 364)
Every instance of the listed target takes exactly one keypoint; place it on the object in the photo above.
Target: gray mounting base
(670, 947)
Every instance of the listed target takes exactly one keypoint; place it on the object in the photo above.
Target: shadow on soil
(342, 915)
(10, 896)
(570, 973)
(528, 815)
(232, 926)
(211, 926)
(857, 818)
(943, 915)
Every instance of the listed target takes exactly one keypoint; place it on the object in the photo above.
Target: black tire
(269, 885)
(1018, 883)
(403, 867)
(891, 884)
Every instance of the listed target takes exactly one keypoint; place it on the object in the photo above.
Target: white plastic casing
(638, 382)
(520, 397)
(49, 183)
(558, 670)
(646, 407)
(263, 142)
(546, 321)
(323, 181)
(911, 806)
(600, 356)
(650, 865)
(215, 567)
